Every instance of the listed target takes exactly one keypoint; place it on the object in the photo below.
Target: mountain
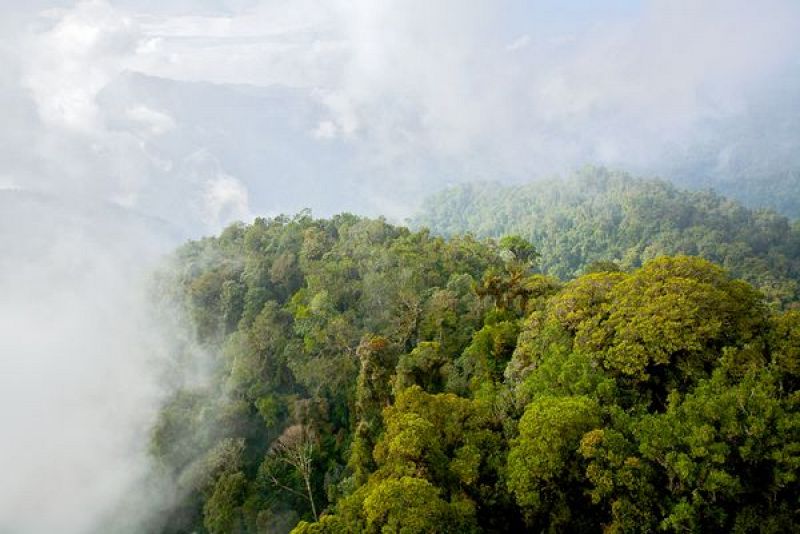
(366, 378)
(753, 158)
(602, 215)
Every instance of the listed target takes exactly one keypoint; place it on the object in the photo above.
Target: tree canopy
(599, 218)
(367, 378)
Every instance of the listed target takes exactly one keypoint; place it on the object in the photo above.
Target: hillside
(366, 378)
(600, 215)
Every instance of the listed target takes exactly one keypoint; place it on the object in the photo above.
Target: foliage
(306, 321)
(541, 463)
(366, 378)
(583, 223)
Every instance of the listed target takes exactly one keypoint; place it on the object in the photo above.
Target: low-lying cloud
(382, 101)
(80, 361)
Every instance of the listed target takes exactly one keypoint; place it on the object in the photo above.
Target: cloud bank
(79, 372)
(382, 101)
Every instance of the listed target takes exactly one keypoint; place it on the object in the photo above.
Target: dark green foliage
(366, 378)
(583, 223)
(221, 512)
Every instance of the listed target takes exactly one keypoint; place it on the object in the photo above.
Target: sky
(206, 111)
(130, 125)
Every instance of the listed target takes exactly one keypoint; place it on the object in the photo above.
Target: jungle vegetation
(602, 215)
(364, 377)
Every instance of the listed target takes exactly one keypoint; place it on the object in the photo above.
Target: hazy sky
(203, 111)
(128, 125)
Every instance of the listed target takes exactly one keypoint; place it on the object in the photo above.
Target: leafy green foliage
(307, 320)
(220, 512)
(541, 463)
(366, 378)
(603, 216)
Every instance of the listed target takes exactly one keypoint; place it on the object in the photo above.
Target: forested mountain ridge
(366, 378)
(601, 215)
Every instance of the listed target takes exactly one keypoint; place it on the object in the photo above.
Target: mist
(225, 109)
(81, 359)
(129, 126)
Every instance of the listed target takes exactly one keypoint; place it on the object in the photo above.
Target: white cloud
(218, 197)
(225, 200)
(434, 84)
(325, 130)
(72, 61)
(156, 122)
(520, 42)
(81, 357)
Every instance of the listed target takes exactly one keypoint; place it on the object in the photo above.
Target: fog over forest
(130, 126)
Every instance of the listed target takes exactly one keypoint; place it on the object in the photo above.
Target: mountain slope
(598, 215)
(365, 378)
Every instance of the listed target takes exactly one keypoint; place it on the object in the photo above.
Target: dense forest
(601, 215)
(778, 189)
(367, 378)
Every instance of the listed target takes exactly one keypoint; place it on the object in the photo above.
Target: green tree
(545, 471)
